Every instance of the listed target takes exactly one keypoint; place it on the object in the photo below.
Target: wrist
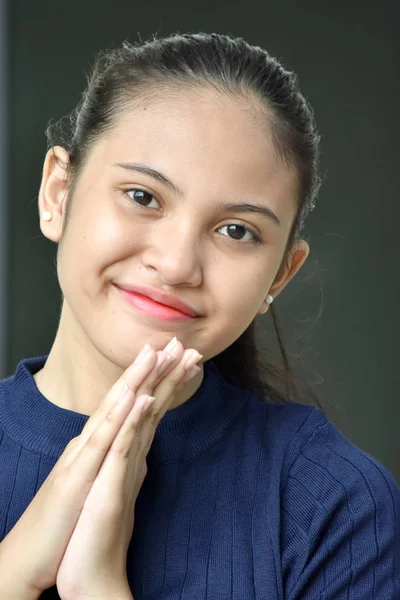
(17, 591)
(12, 585)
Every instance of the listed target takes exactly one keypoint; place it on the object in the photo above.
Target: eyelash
(256, 238)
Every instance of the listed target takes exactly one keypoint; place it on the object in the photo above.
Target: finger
(165, 358)
(164, 393)
(121, 473)
(129, 438)
(166, 389)
(85, 459)
(103, 430)
(135, 439)
(138, 371)
(130, 430)
(135, 373)
(165, 363)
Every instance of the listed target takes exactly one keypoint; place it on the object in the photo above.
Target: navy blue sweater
(243, 500)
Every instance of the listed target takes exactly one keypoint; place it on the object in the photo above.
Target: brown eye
(237, 232)
(141, 197)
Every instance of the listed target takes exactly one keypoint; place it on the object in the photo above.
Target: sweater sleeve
(340, 534)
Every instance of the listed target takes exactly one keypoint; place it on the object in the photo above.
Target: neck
(77, 376)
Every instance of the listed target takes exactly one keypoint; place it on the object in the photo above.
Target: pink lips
(151, 307)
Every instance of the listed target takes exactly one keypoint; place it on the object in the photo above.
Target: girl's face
(151, 208)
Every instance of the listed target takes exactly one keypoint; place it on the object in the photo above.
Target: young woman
(144, 456)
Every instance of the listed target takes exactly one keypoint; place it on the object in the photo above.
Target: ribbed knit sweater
(243, 499)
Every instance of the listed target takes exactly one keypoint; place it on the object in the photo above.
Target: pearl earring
(46, 216)
(269, 299)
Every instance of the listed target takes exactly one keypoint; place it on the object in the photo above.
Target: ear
(53, 192)
(296, 260)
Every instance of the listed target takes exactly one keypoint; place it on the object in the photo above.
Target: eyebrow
(227, 206)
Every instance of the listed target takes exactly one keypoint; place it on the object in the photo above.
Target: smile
(153, 308)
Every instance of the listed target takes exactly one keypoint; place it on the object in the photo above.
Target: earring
(269, 299)
(46, 216)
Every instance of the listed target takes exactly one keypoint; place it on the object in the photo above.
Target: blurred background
(340, 313)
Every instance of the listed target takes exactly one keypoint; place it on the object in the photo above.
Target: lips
(162, 298)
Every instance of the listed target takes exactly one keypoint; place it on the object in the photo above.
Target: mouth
(152, 307)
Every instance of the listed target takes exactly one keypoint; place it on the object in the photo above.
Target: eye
(141, 197)
(236, 230)
(237, 233)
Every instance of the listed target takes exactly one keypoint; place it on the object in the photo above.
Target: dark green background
(341, 312)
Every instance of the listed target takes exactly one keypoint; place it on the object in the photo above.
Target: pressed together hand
(77, 529)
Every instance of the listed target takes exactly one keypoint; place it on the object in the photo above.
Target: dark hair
(229, 66)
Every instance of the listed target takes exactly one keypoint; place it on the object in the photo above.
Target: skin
(216, 150)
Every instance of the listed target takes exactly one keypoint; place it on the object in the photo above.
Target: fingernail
(147, 403)
(192, 358)
(122, 394)
(191, 373)
(164, 362)
(141, 356)
(171, 345)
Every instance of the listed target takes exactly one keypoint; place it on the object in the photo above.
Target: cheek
(95, 237)
(241, 289)
(88, 246)
(239, 295)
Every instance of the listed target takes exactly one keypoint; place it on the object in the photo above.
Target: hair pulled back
(230, 66)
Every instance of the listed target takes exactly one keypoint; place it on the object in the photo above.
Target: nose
(173, 250)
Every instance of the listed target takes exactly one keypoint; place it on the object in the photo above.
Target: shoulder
(321, 456)
(311, 440)
(340, 511)
(284, 429)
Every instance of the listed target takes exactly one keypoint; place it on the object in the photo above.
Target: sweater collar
(183, 433)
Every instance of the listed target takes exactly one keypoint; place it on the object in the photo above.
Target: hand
(94, 564)
(32, 551)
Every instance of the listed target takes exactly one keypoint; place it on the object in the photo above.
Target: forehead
(203, 141)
